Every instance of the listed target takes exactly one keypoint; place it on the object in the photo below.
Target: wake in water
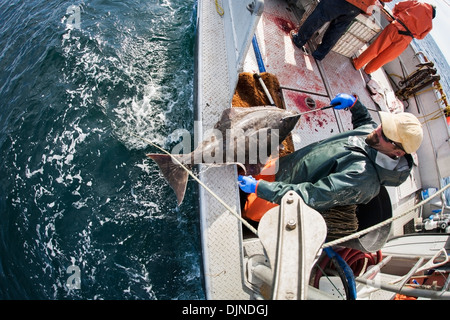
(77, 189)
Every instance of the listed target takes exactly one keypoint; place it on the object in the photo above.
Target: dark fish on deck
(242, 136)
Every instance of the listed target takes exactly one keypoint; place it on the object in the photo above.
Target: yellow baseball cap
(403, 128)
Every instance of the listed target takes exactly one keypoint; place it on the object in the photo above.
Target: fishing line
(250, 227)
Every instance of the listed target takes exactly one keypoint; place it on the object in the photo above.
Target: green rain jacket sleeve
(337, 189)
(361, 116)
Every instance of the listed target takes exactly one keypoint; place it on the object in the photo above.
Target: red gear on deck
(416, 16)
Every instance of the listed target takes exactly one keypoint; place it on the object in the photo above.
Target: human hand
(247, 183)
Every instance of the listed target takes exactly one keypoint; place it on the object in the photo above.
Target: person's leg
(381, 43)
(398, 44)
(320, 15)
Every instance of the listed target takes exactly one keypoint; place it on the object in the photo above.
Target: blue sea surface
(84, 214)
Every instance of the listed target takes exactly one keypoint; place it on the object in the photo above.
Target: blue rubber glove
(343, 101)
(247, 183)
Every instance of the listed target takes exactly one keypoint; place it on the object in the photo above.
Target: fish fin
(175, 174)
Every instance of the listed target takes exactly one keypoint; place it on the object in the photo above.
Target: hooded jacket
(415, 16)
(337, 171)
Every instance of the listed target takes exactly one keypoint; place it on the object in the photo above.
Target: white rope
(252, 229)
(386, 222)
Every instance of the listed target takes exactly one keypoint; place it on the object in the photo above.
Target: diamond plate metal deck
(343, 78)
(221, 231)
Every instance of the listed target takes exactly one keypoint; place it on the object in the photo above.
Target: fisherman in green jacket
(348, 168)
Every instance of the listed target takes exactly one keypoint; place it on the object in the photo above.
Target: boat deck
(300, 77)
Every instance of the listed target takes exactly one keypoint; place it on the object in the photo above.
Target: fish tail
(174, 173)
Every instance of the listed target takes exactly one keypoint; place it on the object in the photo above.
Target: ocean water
(83, 213)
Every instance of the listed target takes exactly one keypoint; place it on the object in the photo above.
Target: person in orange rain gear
(413, 19)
